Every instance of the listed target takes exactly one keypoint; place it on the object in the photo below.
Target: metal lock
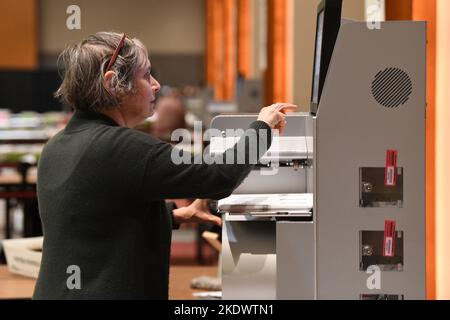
(367, 187)
(367, 250)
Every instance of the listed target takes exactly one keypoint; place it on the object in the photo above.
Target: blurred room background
(211, 57)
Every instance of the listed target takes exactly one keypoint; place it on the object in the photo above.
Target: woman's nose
(155, 85)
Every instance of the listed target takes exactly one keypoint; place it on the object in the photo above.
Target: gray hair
(84, 65)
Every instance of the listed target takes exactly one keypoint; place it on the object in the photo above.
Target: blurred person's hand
(198, 211)
(275, 115)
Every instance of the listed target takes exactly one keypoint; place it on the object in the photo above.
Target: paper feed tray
(268, 204)
(282, 148)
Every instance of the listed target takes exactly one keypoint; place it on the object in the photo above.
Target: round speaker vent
(392, 87)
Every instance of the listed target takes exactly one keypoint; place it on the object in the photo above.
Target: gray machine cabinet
(373, 100)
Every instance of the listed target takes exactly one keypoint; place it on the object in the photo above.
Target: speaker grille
(391, 87)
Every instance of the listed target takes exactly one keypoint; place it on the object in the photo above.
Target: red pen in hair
(116, 52)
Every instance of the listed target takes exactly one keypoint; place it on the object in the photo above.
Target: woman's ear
(108, 79)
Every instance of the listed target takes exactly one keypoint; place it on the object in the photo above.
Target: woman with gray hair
(102, 185)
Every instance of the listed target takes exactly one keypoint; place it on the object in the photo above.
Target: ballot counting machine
(341, 213)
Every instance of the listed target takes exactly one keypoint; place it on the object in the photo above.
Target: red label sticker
(389, 238)
(390, 176)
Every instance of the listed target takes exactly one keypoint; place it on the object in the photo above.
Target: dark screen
(327, 29)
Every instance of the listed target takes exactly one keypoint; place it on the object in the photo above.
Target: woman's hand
(198, 211)
(275, 115)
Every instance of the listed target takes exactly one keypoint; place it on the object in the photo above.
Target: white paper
(266, 202)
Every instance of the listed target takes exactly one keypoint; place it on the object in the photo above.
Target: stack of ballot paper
(264, 203)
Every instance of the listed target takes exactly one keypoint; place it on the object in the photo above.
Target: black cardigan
(101, 191)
